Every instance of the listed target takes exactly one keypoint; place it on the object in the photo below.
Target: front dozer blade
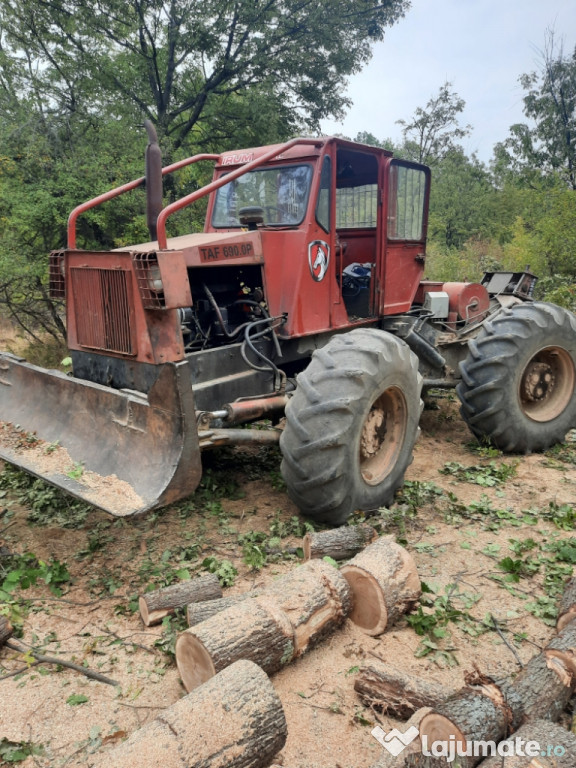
(122, 451)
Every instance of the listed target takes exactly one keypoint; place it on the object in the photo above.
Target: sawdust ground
(327, 724)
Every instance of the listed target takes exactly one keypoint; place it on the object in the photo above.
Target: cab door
(403, 247)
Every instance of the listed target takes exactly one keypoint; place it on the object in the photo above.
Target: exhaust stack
(153, 179)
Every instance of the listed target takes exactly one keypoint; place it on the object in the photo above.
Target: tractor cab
(342, 227)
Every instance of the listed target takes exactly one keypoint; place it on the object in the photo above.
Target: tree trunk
(154, 606)
(254, 629)
(545, 687)
(5, 630)
(567, 607)
(479, 713)
(316, 599)
(339, 543)
(199, 612)
(548, 737)
(563, 646)
(398, 694)
(389, 760)
(384, 583)
(234, 720)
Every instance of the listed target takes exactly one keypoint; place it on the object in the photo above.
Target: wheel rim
(547, 384)
(383, 435)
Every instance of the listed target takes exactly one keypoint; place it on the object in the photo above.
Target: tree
(181, 63)
(547, 146)
(434, 130)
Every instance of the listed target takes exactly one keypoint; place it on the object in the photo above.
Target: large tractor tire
(519, 379)
(351, 425)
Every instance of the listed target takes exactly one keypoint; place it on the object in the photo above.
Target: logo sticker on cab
(318, 259)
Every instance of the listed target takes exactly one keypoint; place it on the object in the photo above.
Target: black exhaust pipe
(153, 179)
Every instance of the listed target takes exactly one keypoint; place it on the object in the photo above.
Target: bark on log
(548, 735)
(545, 687)
(339, 543)
(563, 647)
(387, 759)
(384, 583)
(398, 694)
(254, 629)
(567, 607)
(154, 606)
(316, 599)
(235, 720)
(199, 612)
(5, 630)
(480, 713)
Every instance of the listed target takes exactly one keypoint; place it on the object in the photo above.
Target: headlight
(154, 279)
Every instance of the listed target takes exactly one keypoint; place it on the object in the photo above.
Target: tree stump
(480, 713)
(396, 693)
(389, 760)
(339, 543)
(5, 630)
(235, 720)
(199, 612)
(567, 607)
(316, 599)
(384, 583)
(253, 629)
(154, 606)
(557, 744)
(545, 687)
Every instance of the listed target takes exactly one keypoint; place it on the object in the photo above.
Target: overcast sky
(480, 46)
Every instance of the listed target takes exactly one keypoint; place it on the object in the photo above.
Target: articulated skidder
(303, 298)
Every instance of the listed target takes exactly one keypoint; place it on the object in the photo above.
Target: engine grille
(103, 309)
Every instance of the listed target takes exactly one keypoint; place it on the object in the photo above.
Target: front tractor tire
(519, 379)
(351, 425)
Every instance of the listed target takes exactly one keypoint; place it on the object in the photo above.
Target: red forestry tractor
(302, 298)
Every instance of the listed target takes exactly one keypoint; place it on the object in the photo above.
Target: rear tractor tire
(351, 425)
(519, 379)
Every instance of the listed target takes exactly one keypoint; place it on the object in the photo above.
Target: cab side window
(323, 205)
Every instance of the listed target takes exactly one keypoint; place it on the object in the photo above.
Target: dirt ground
(492, 545)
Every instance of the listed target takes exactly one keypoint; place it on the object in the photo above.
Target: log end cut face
(369, 610)
(193, 660)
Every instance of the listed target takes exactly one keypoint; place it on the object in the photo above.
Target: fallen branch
(506, 643)
(41, 659)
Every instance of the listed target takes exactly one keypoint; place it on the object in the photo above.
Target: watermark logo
(394, 741)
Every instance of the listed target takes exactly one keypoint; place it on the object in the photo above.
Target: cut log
(253, 629)
(544, 687)
(538, 737)
(286, 618)
(479, 713)
(396, 693)
(199, 612)
(316, 599)
(388, 759)
(5, 630)
(563, 646)
(384, 583)
(154, 606)
(567, 607)
(339, 543)
(235, 720)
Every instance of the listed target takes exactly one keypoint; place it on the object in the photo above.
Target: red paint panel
(104, 310)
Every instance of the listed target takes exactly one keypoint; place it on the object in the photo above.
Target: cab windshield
(281, 192)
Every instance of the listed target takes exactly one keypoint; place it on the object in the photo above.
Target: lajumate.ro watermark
(396, 742)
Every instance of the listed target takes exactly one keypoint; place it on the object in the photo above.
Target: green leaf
(76, 699)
